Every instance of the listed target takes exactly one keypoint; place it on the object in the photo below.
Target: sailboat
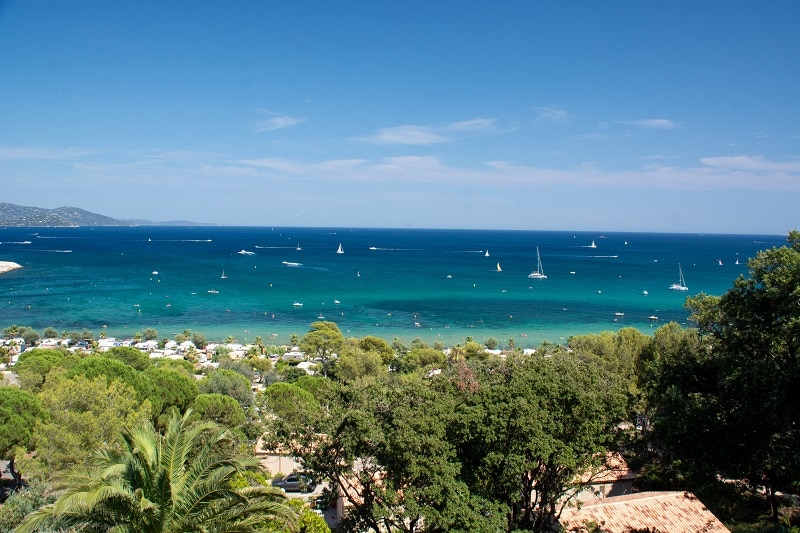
(223, 276)
(486, 254)
(340, 250)
(498, 268)
(539, 272)
(681, 285)
(593, 245)
(737, 259)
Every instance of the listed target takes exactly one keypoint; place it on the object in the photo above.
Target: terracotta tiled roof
(614, 468)
(661, 512)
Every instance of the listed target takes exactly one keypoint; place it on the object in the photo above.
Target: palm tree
(175, 483)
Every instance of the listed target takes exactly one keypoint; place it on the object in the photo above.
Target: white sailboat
(681, 285)
(340, 250)
(498, 268)
(593, 245)
(223, 276)
(539, 272)
(486, 254)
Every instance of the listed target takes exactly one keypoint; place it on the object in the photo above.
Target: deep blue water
(389, 282)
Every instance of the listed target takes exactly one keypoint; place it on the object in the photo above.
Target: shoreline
(8, 266)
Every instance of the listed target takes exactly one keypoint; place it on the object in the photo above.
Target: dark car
(296, 482)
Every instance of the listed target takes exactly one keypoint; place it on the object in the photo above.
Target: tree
(83, 414)
(150, 334)
(220, 409)
(130, 356)
(34, 365)
(172, 389)
(178, 482)
(19, 411)
(731, 408)
(229, 383)
(386, 444)
(323, 340)
(379, 346)
(527, 427)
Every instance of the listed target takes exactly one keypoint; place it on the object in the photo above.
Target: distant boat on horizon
(593, 245)
(340, 250)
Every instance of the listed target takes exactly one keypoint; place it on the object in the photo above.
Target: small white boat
(737, 259)
(223, 276)
(340, 250)
(539, 272)
(213, 291)
(593, 245)
(245, 252)
(719, 261)
(320, 317)
(155, 272)
(681, 285)
(372, 248)
(298, 247)
(336, 302)
(652, 317)
(297, 304)
(619, 314)
(449, 276)
(499, 269)
(486, 254)
(290, 264)
(645, 292)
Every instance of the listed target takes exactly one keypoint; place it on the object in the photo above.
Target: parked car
(296, 482)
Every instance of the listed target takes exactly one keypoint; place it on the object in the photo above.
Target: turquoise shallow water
(432, 284)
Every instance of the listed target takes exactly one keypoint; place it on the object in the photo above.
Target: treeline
(417, 438)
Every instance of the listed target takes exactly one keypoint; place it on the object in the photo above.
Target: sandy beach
(8, 266)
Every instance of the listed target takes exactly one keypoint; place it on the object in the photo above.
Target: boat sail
(223, 276)
(539, 272)
(593, 245)
(486, 254)
(498, 268)
(681, 285)
(340, 250)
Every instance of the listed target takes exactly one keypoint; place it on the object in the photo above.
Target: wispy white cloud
(752, 164)
(412, 135)
(28, 152)
(271, 121)
(417, 135)
(654, 123)
(553, 114)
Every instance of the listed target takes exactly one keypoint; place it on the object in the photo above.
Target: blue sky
(609, 116)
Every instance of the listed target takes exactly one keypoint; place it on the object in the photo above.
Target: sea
(274, 282)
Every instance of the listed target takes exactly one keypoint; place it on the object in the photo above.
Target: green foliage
(34, 365)
(19, 412)
(726, 403)
(220, 409)
(150, 334)
(179, 481)
(112, 370)
(21, 503)
(379, 346)
(50, 333)
(290, 404)
(229, 383)
(359, 365)
(171, 389)
(130, 356)
(83, 414)
(323, 340)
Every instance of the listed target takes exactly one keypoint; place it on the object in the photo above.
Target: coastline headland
(8, 266)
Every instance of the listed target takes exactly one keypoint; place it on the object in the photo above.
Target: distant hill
(12, 215)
